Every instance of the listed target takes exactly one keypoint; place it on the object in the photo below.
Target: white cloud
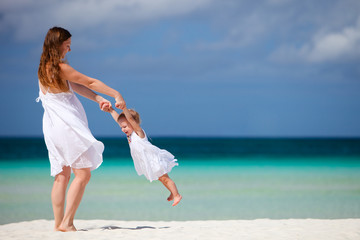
(325, 46)
(334, 45)
(243, 31)
(28, 19)
(278, 2)
(10, 5)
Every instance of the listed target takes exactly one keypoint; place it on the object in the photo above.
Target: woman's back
(53, 89)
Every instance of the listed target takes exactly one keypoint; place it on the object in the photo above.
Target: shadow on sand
(124, 228)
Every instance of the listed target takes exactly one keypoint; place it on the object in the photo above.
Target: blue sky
(267, 68)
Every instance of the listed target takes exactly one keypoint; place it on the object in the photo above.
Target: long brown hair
(49, 69)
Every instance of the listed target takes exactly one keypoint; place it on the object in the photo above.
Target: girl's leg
(58, 195)
(74, 196)
(170, 185)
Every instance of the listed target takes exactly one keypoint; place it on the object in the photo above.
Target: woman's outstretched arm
(70, 74)
(86, 92)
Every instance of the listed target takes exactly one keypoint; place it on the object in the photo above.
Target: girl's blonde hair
(134, 114)
(49, 69)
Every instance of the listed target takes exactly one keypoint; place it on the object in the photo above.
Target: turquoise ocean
(219, 178)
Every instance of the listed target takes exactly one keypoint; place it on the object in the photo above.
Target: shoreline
(180, 230)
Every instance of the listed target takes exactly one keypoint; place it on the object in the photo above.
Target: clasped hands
(106, 106)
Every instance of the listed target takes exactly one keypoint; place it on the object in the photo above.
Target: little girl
(152, 162)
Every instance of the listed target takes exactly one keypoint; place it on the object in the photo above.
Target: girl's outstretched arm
(136, 126)
(114, 114)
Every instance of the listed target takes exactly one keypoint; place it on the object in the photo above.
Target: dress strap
(40, 93)
(69, 84)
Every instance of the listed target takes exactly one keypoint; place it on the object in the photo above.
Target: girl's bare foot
(171, 197)
(63, 228)
(177, 199)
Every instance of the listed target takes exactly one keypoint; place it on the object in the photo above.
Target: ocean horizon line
(210, 137)
(195, 147)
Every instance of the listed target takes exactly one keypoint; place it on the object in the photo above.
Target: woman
(71, 146)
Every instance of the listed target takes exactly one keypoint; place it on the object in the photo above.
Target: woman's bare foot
(63, 228)
(171, 197)
(177, 199)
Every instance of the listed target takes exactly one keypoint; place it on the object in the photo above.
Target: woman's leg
(170, 185)
(58, 195)
(74, 196)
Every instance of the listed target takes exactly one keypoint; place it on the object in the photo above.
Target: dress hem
(69, 165)
(174, 162)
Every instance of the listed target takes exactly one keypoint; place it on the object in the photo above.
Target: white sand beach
(231, 229)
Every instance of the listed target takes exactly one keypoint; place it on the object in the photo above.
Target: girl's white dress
(149, 160)
(66, 132)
